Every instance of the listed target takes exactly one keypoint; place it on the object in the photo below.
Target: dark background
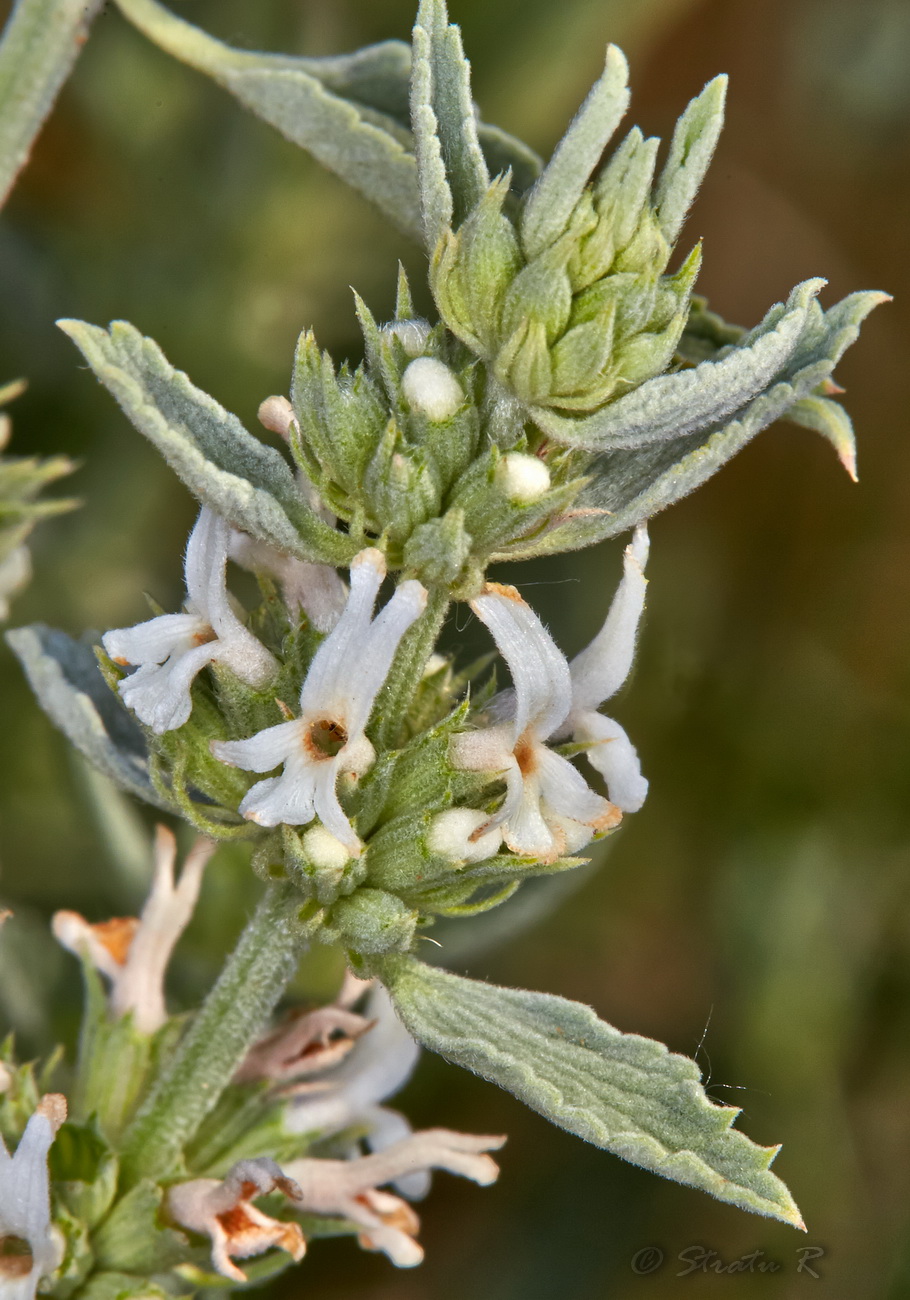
(755, 912)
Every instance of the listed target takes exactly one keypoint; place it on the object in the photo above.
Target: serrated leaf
(691, 150)
(228, 469)
(550, 203)
(622, 1092)
(65, 677)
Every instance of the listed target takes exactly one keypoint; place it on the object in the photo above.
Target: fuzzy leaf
(691, 150)
(550, 204)
(65, 677)
(622, 1092)
(230, 471)
(349, 111)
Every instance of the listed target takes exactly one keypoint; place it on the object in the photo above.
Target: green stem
(416, 646)
(253, 979)
(39, 47)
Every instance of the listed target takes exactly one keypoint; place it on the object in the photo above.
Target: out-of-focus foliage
(763, 891)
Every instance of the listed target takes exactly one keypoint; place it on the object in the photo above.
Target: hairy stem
(248, 988)
(39, 47)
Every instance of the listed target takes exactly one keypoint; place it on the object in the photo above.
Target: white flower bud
(411, 334)
(431, 389)
(452, 835)
(522, 479)
(277, 414)
(324, 849)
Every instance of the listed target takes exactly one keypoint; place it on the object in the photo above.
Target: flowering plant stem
(39, 47)
(253, 979)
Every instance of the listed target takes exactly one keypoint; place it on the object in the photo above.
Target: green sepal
(315, 881)
(131, 1240)
(126, 1286)
(548, 206)
(247, 1122)
(691, 151)
(371, 921)
(437, 551)
(83, 1170)
(622, 1092)
(78, 1256)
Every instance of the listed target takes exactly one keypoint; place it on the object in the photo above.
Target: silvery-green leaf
(40, 44)
(670, 407)
(628, 486)
(65, 677)
(229, 470)
(691, 150)
(367, 148)
(832, 422)
(549, 205)
(622, 1092)
(452, 171)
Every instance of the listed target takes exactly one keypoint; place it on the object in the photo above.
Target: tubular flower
(223, 1210)
(171, 649)
(349, 1095)
(25, 1204)
(134, 953)
(316, 589)
(597, 674)
(351, 1187)
(549, 807)
(328, 738)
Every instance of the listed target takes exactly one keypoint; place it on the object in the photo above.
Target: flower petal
(614, 756)
(539, 670)
(264, 751)
(600, 669)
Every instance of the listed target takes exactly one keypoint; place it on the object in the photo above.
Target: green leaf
(228, 469)
(349, 111)
(451, 168)
(691, 150)
(65, 677)
(40, 44)
(550, 204)
(622, 1092)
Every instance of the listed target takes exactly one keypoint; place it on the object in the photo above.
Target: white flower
(544, 792)
(463, 835)
(25, 1210)
(132, 953)
(411, 334)
(350, 1094)
(223, 1210)
(431, 389)
(350, 1187)
(328, 738)
(597, 674)
(317, 589)
(171, 649)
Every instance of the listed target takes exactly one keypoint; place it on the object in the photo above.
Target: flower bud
(431, 389)
(521, 478)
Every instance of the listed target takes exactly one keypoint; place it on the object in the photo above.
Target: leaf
(550, 204)
(691, 150)
(65, 677)
(228, 469)
(672, 406)
(349, 111)
(622, 1092)
(40, 44)
(452, 172)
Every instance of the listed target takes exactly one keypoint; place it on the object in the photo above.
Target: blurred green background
(755, 913)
